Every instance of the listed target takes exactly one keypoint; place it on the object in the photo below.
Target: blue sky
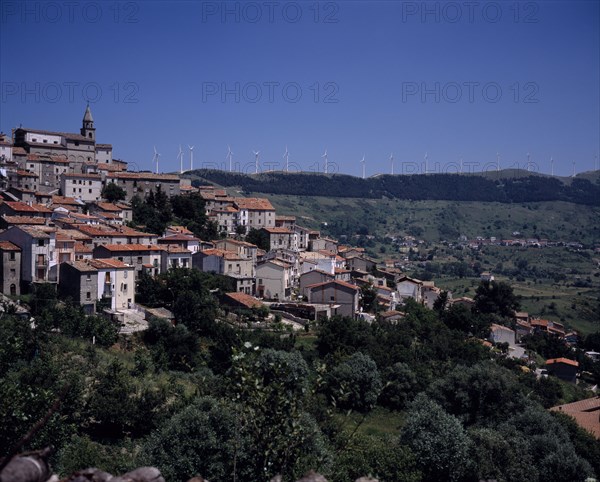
(450, 79)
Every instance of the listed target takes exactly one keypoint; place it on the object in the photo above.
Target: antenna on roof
(229, 156)
(324, 156)
(256, 153)
(191, 157)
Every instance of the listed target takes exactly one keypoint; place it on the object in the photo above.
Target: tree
(260, 238)
(496, 298)
(368, 298)
(205, 440)
(438, 440)
(400, 385)
(355, 384)
(480, 393)
(113, 192)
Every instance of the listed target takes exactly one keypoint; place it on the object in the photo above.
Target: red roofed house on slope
(563, 368)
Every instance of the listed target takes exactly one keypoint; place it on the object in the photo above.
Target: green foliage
(382, 457)
(171, 347)
(414, 187)
(498, 298)
(438, 440)
(203, 439)
(18, 342)
(260, 238)
(400, 385)
(354, 384)
(479, 394)
(368, 298)
(81, 451)
(271, 388)
(112, 192)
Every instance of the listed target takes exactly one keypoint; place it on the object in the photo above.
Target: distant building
(341, 296)
(142, 183)
(10, 270)
(563, 368)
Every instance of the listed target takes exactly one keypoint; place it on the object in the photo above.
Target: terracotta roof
(175, 248)
(19, 151)
(83, 176)
(254, 203)
(66, 200)
(23, 207)
(390, 313)
(131, 247)
(82, 248)
(337, 282)
(179, 229)
(222, 253)
(8, 246)
(109, 207)
(585, 412)
(278, 230)
(103, 166)
(24, 220)
(107, 263)
(244, 299)
(22, 173)
(566, 361)
(82, 265)
(177, 237)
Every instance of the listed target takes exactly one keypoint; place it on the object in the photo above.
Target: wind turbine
(180, 157)
(324, 156)
(426, 163)
(155, 158)
(392, 162)
(191, 157)
(573, 169)
(286, 156)
(461, 165)
(256, 153)
(497, 162)
(362, 161)
(229, 156)
(528, 162)
(552, 166)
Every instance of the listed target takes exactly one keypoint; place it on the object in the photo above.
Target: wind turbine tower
(191, 157)
(286, 156)
(497, 162)
(180, 156)
(528, 162)
(426, 163)
(256, 153)
(552, 166)
(229, 157)
(573, 169)
(324, 156)
(392, 162)
(362, 161)
(155, 159)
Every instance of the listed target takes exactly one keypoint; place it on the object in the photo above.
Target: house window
(40, 242)
(139, 260)
(88, 277)
(13, 272)
(12, 256)
(88, 295)
(332, 298)
(125, 287)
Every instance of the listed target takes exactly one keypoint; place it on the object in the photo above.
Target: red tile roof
(244, 299)
(254, 204)
(336, 282)
(8, 246)
(566, 361)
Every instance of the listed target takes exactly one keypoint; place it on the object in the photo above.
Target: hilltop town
(91, 249)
